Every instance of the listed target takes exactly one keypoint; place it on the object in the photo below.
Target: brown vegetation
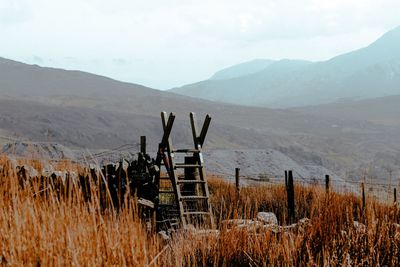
(44, 228)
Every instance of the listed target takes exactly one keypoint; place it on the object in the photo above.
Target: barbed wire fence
(127, 151)
(379, 190)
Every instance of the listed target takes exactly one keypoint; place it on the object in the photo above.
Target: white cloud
(14, 11)
(167, 43)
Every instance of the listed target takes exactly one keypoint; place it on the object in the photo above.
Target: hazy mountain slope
(373, 71)
(52, 105)
(384, 50)
(315, 145)
(19, 79)
(81, 127)
(381, 111)
(72, 89)
(33, 95)
(246, 90)
(242, 69)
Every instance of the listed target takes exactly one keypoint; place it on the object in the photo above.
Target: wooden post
(290, 198)
(237, 180)
(286, 180)
(143, 144)
(363, 195)
(394, 195)
(327, 183)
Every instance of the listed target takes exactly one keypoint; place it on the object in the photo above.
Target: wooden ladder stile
(187, 202)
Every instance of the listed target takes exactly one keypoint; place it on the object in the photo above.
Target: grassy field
(37, 226)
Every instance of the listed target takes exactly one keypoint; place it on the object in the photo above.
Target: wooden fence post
(143, 144)
(327, 183)
(290, 197)
(395, 195)
(286, 177)
(237, 180)
(363, 195)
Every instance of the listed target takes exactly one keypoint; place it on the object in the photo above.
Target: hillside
(381, 111)
(19, 79)
(373, 71)
(81, 110)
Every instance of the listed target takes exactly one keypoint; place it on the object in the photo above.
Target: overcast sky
(168, 43)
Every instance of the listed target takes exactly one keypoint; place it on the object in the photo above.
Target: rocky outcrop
(266, 221)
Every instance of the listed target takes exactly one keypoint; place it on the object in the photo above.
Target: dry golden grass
(50, 230)
(45, 229)
(331, 240)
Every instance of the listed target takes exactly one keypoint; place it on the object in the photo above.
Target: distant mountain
(242, 69)
(245, 90)
(373, 71)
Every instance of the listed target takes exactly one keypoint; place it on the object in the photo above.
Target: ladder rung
(193, 197)
(166, 205)
(191, 182)
(186, 151)
(180, 165)
(173, 217)
(170, 221)
(187, 192)
(196, 213)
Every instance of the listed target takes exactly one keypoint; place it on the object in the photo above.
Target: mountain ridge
(372, 71)
(242, 69)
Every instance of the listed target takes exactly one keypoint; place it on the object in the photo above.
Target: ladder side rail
(170, 161)
(205, 187)
(204, 129)
(161, 147)
(167, 127)
(164, 119)
(174, 181)
(193, 123)
(198, 145)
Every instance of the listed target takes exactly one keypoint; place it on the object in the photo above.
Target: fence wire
(335, 184)
(378, 189)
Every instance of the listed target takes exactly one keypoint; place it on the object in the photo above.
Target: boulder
(267, 218)
(273, 228)
(237, 222)
(251, 226)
